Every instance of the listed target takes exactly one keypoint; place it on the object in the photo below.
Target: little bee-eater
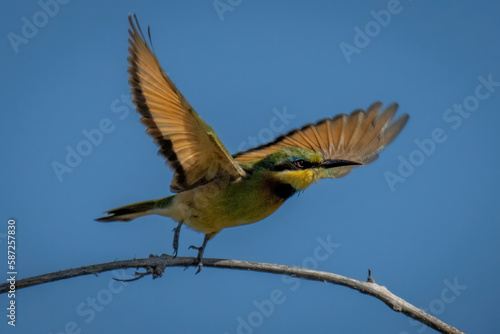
(215, 189)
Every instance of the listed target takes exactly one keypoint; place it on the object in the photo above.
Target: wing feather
(357, 137)
(190, 146)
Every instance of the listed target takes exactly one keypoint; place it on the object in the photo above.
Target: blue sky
(430, 233)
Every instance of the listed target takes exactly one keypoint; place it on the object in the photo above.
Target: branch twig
(155, 266)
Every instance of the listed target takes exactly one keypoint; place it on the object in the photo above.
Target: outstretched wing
(190, 146)
(357, 137)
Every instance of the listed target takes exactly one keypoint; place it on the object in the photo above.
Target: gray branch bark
(155, 266)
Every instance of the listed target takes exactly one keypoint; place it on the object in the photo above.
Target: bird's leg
(175, 243)
(200, 252)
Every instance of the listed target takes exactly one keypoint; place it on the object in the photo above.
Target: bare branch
(155, 266)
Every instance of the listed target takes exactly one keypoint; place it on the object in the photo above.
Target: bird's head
(298, 167)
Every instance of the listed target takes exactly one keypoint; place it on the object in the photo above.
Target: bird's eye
(299, 163)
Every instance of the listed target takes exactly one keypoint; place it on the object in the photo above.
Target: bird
(212, 189)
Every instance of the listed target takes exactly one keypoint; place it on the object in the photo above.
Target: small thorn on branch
(370, 278)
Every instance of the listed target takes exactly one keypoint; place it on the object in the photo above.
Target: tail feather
(128, 212)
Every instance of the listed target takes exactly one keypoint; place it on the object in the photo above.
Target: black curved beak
(331, 163)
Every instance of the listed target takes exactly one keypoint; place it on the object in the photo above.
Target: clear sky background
(240, 68)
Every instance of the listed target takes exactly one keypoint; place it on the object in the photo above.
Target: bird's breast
(213, 207)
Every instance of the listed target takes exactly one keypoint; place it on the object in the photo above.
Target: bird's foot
(175, 243)
(198, 257)
(200, 250)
